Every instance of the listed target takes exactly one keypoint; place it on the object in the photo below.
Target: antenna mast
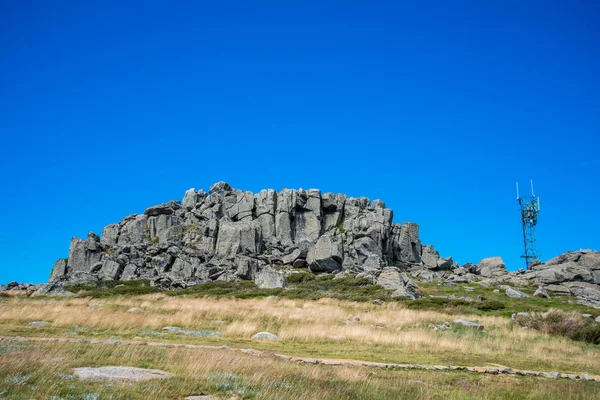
(530, 207)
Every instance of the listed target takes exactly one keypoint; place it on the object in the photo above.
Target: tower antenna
(530, 207)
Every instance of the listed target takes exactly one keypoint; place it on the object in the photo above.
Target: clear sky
(437, 108)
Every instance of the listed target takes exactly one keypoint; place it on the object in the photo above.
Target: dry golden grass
(42, 371)
(387, 333)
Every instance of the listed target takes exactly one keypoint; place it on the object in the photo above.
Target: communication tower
(530, 207)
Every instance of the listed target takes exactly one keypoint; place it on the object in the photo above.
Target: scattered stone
(445, 326)
(496, 290)
(202, 397)
(36, 324)
(378, 302)
(111, 341)
(265, 336)
(553, 375)
(119, 373)
(469, 323)
(541, 293)
(589, 316)
(203, 333)
(134, 310)
(515, 294)
(95, 304)
(479, 299)
(406, 292)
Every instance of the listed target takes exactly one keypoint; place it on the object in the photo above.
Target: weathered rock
(119, 374)
(430, 257)
(390, 278)
(53, 290)
(59, 270)
(407, 292)
(515, 294)
(327, 255)
(265, 336)
(268, 278)
(163, 209)
(491, 267)
(469, 323)
(541, 293)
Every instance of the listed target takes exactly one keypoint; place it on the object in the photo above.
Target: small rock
(493, 371)
(515, 294)
(590, 316)
(479, 299)
(134, 310)
(553, 375)
(35, 324)
(469, 323)
(378, 302)
(517, 315)
(508, 371)
(94, 304)
(119, 373)
(598, 319)
(203, 333)
(541, 293)
(111, 341)
(445, 326)
(202, 397)
(571, 376)
(496, 290)
(265, 336)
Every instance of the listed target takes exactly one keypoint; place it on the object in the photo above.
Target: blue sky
(435, 108)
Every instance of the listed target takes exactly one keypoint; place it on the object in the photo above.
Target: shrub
(300, 277)
(490, 305)
(557, 322)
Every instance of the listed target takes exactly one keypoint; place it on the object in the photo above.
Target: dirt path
(495, 369)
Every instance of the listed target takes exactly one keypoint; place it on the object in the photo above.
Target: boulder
(541, 293)
(430, 257)
(327, 255)
(268, 278)
(52, 290)
(59, 270)
(469, 323)
(110, 373)
(163, 209)
(391, 279)
(407, 292)
(515, 294)
(491, 267)
(265, 336)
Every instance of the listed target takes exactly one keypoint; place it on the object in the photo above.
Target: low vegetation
(317, 316)
(558, 322)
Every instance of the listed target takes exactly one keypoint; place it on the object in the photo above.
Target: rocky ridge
(228, 234)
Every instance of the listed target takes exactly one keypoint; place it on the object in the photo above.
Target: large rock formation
(228, 234)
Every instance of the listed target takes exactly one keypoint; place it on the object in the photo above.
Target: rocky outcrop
(229, 234)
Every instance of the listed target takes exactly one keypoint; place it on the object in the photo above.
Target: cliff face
(228, 234)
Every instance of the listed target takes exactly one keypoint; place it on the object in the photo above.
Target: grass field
(394, 332)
